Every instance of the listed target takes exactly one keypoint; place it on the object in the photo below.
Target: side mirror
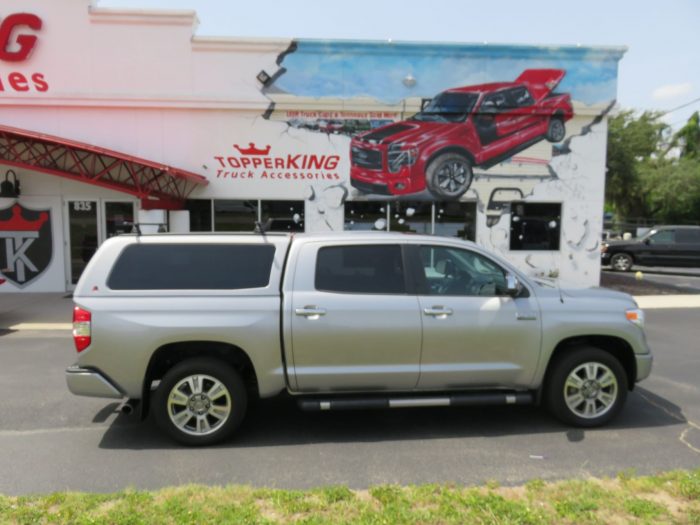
(647, 241)
(513, 286)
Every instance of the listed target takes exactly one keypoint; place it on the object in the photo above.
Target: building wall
(145, 84)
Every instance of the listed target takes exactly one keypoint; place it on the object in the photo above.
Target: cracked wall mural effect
(350, 121)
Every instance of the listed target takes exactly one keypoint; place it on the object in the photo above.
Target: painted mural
(459, 129)
(494, 125)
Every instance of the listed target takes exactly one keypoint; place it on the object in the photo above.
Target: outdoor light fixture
(9, 189)
(263, 77)
(409, 81)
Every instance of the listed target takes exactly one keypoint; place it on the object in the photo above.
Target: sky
(660, 71)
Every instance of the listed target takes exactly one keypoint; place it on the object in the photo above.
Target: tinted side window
(451, 271)
(495, 102)
(360, 269)
(192, 267)
(520, 97)
(662, 237)
(688, 236)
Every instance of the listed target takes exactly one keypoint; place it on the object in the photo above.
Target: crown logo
(252, 150)
(19, 224)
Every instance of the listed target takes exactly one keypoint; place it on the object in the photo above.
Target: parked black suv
(662, 246)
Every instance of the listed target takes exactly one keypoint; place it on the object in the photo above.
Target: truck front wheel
(586, 387)
(449, 175)
(200, 401)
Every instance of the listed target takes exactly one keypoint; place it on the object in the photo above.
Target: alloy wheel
(199, 404)
(590, 390)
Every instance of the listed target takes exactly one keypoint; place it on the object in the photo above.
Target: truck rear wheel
(556, 130)
(200, 401)
(587, 387)
(449, 176)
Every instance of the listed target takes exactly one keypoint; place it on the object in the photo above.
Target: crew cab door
(660, 248)
(474, 335)
(354, 326)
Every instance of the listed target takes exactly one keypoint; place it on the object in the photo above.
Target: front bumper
(605, 258)
(91, 383)
(374, 181)
(644, 364)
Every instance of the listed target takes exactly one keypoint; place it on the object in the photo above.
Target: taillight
(82, 330)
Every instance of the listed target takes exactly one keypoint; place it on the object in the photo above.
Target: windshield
(447, 107)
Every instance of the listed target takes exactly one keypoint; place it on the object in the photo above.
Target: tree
(631, 139)
(672, 189)
(644, 178)
(688, 138)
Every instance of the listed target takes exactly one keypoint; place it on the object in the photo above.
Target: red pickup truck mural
(459, 129)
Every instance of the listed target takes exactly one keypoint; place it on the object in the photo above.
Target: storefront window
(119, 218)
(282, 216)
(365, 215)
(235, 216)
(412, 217)
(456, 219)
(200, 214)
(535, 226)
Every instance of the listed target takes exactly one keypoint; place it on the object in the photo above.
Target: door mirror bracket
(513, 286)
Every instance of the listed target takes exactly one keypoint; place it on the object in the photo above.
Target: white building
(113, 116)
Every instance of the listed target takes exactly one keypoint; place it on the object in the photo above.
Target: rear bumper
(644, 364)
(89, 382)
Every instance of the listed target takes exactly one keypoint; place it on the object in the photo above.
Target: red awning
(157, 185)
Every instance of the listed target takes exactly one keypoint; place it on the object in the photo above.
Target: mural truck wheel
(449, 176)
(556, 131)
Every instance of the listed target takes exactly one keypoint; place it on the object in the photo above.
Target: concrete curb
(651, 302)
(681, 272)
(41, 326)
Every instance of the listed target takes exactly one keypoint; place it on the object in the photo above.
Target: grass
(672, 497)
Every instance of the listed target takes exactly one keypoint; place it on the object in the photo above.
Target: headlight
(635, 316)
(401, 154)
(603, 248)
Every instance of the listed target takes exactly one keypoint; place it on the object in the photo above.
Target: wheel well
(167, 356)
(616, 346)
(559, 114)
(628, 254)
(451, 149)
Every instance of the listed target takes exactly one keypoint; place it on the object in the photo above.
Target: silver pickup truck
(195, 326)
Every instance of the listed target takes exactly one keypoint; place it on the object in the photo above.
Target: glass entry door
(90, 223)
(84, 235)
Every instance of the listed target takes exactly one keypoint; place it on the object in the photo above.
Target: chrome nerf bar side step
(462, 399)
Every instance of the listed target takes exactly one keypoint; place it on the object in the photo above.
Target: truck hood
(548, 288)
(623, 244)
(541, 82)
(596, 293)
(410, 131)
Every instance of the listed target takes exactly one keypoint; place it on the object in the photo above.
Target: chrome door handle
(526, 317)
(310, 311)
(437, 311)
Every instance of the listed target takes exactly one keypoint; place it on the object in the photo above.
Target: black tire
(621, 262)
(449, 176)
(574, 362)
(556, 130)
(209, 371)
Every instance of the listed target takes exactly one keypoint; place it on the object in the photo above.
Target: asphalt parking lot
(51, 440)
